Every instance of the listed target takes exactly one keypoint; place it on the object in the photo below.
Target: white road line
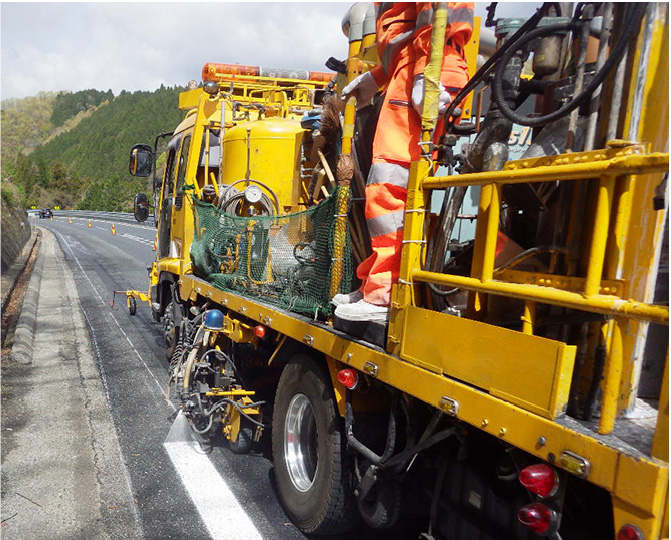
(161, 388)
(224, 517)
(111, 315)
(222, 514)
(93, 220)
(144, 241)
(103, 377)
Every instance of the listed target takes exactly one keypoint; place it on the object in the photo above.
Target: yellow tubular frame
(601, 291)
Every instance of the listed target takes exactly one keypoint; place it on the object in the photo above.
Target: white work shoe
(348, 298)
(362, 311)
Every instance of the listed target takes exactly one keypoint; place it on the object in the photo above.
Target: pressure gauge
(253, 194)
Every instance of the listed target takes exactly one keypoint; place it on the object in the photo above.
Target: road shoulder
(63, 475)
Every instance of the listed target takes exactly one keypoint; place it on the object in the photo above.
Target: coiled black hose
(633, 15)
(482, 73)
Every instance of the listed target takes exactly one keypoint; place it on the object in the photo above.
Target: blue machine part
(213, 320)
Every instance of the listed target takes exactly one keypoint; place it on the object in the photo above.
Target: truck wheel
(382, 506)
(170, 329)
(132, 308)
(311, 469)
(243, 442)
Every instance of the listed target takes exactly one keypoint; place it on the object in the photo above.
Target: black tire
(170, 329)
(315, 488)
(381, 508)
(243, 442)
(132, 308)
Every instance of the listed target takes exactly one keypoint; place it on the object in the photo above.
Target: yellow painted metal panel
(643, 237)
(530, 371)
(649, 524)
(640, 481)
(190, 98)
(665, 519)
(660, 443)
(508, 421)
(266, 139)
(168, 265)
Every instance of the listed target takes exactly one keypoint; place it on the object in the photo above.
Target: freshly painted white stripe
(144, 241)
(103, 377)
(107, 221)
(161, 388)
(112, 317)
(223, 516)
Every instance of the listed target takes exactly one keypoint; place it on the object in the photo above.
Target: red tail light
(349, 378)
(629, 532)
(537, 517)
(260, 331)
(540, 479)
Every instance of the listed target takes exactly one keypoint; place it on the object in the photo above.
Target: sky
(74, 46)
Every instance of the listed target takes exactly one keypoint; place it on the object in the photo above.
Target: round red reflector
(349, 378)
(536, 517)
(260, 331)
(629, 532)
(540, 479)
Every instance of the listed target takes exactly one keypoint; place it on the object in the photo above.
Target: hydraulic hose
(239, 408)
(634, 13)
(489, 64)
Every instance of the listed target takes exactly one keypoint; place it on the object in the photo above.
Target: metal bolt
(485, 422)
(502, 432)
(542, 441)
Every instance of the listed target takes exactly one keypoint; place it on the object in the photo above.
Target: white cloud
(73, 46)
(139, 46)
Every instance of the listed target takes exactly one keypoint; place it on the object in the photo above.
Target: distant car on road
(46, 213)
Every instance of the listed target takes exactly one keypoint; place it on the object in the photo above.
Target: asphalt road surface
(173, 487)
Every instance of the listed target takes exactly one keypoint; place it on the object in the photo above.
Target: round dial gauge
(253, 194)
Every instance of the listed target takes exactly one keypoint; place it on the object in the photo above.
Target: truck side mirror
(141, 207)
(141, 160)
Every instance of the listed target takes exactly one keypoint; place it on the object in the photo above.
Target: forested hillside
(71, 149)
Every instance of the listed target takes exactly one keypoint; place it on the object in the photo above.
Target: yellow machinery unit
(504, 396)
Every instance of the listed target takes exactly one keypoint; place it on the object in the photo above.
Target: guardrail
(119, 217)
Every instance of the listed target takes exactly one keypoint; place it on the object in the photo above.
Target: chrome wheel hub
(300, 442)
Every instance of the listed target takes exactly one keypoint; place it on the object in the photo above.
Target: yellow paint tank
(271, 150)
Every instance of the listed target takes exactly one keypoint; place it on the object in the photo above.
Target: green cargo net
(282, 260)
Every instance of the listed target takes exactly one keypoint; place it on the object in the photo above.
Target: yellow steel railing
(606, 165)
(611, 167)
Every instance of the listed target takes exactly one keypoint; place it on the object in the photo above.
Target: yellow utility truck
(520, 386)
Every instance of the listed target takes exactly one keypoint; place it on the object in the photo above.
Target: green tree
(59, 176)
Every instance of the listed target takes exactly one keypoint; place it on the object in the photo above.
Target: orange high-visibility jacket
(404, 36)
(403, 41)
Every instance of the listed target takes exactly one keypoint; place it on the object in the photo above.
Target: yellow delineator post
(90, 224)
(70, 221)
(113, 229)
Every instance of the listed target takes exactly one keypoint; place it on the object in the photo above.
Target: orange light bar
(213, 71)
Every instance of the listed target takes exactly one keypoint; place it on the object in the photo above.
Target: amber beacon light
(213, 71)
